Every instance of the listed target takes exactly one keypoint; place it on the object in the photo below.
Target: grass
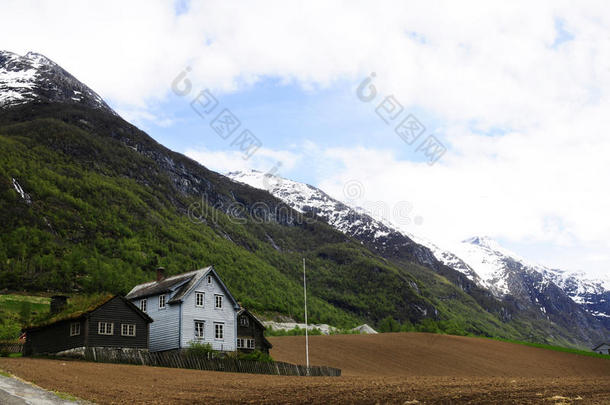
(13, 302)
(557, 348)
(65, 396)
(5, 374)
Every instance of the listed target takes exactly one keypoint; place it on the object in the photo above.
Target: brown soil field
(426, 354)
(389, 368)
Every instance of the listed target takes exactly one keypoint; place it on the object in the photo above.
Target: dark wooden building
(110, 321)
(251, 333)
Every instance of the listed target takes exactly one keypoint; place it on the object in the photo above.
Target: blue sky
(285, 116)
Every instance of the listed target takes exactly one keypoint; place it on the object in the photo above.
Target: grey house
(189, 307)
(602, 348)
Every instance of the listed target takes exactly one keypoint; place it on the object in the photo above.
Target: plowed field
(387, 368)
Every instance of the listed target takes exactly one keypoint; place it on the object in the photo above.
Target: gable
(199, 284)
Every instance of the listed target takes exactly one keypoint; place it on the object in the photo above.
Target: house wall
(54, 338)
(117, 312)
(252, 331)
(603, 349)
(210, 315)
(164, 330)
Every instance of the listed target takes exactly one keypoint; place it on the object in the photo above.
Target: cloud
(264, 160)
(521, 91)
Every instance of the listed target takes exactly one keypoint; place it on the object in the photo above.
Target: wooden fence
(189, 361)
(10, 347)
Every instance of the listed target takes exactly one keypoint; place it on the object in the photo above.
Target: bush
(201, 349)
(256, 355)
(9, 330)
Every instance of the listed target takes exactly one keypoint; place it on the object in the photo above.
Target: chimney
(58, 303)
(160, 273)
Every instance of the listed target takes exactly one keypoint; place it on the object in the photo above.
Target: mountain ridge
(106, 204)
(481, 259)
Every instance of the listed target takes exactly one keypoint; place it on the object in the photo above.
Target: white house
(189, 307)
(603, 348)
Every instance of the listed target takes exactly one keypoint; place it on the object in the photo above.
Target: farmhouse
(251, 333)
(110, 321)
(187, 308)
(602, 348)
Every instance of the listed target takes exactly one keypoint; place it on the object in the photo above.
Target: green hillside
(104, 214)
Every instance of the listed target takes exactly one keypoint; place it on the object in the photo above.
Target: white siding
(164, 330)
(210, 315)
(603, 349)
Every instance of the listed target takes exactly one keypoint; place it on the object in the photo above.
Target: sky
(451, 119)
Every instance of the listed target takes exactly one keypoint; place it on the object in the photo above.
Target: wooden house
(110, 321)
(187, 308)
(251, 333)
(602, 348)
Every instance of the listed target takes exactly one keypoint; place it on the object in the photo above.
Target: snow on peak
(34, 77)
(481, 258)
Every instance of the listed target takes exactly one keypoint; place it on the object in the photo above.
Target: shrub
(256, 355)
(201, 349)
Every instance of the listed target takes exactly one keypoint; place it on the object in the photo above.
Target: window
(199, 299)
(243, 321)
(162, 301)
(245, 343)
(219, 330)
(218, 301)
(75, 328)
(199, 329)
(105, 328)
(209, 279)
(143, 305)
(128, 329)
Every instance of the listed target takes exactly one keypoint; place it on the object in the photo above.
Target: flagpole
(306, 326)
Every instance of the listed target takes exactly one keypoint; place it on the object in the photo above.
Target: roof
(245, 311)
(81, 307)
(180, 284)
(600, 345)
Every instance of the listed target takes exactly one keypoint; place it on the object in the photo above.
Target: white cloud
(265, 160)
(474, 65)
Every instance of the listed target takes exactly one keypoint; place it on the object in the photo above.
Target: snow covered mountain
(553, 294)
(351, 221)
(500, 270)
(36, 78)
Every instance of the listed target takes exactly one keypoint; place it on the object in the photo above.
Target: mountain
(504, 272)
(89, 203)
(36, 78)
(521, 290)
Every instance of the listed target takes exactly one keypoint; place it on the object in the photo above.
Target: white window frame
(250, 344)
(217, 303)
(102, 328)
(218, 326)
(202, 336)
(143, 304)
(125, 329)
(197, 295)
(240, 343)
(75, 329)
(162, 301)
(244, 321)
(209, 279)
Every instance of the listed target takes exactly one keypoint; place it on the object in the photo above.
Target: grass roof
(75, 308)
